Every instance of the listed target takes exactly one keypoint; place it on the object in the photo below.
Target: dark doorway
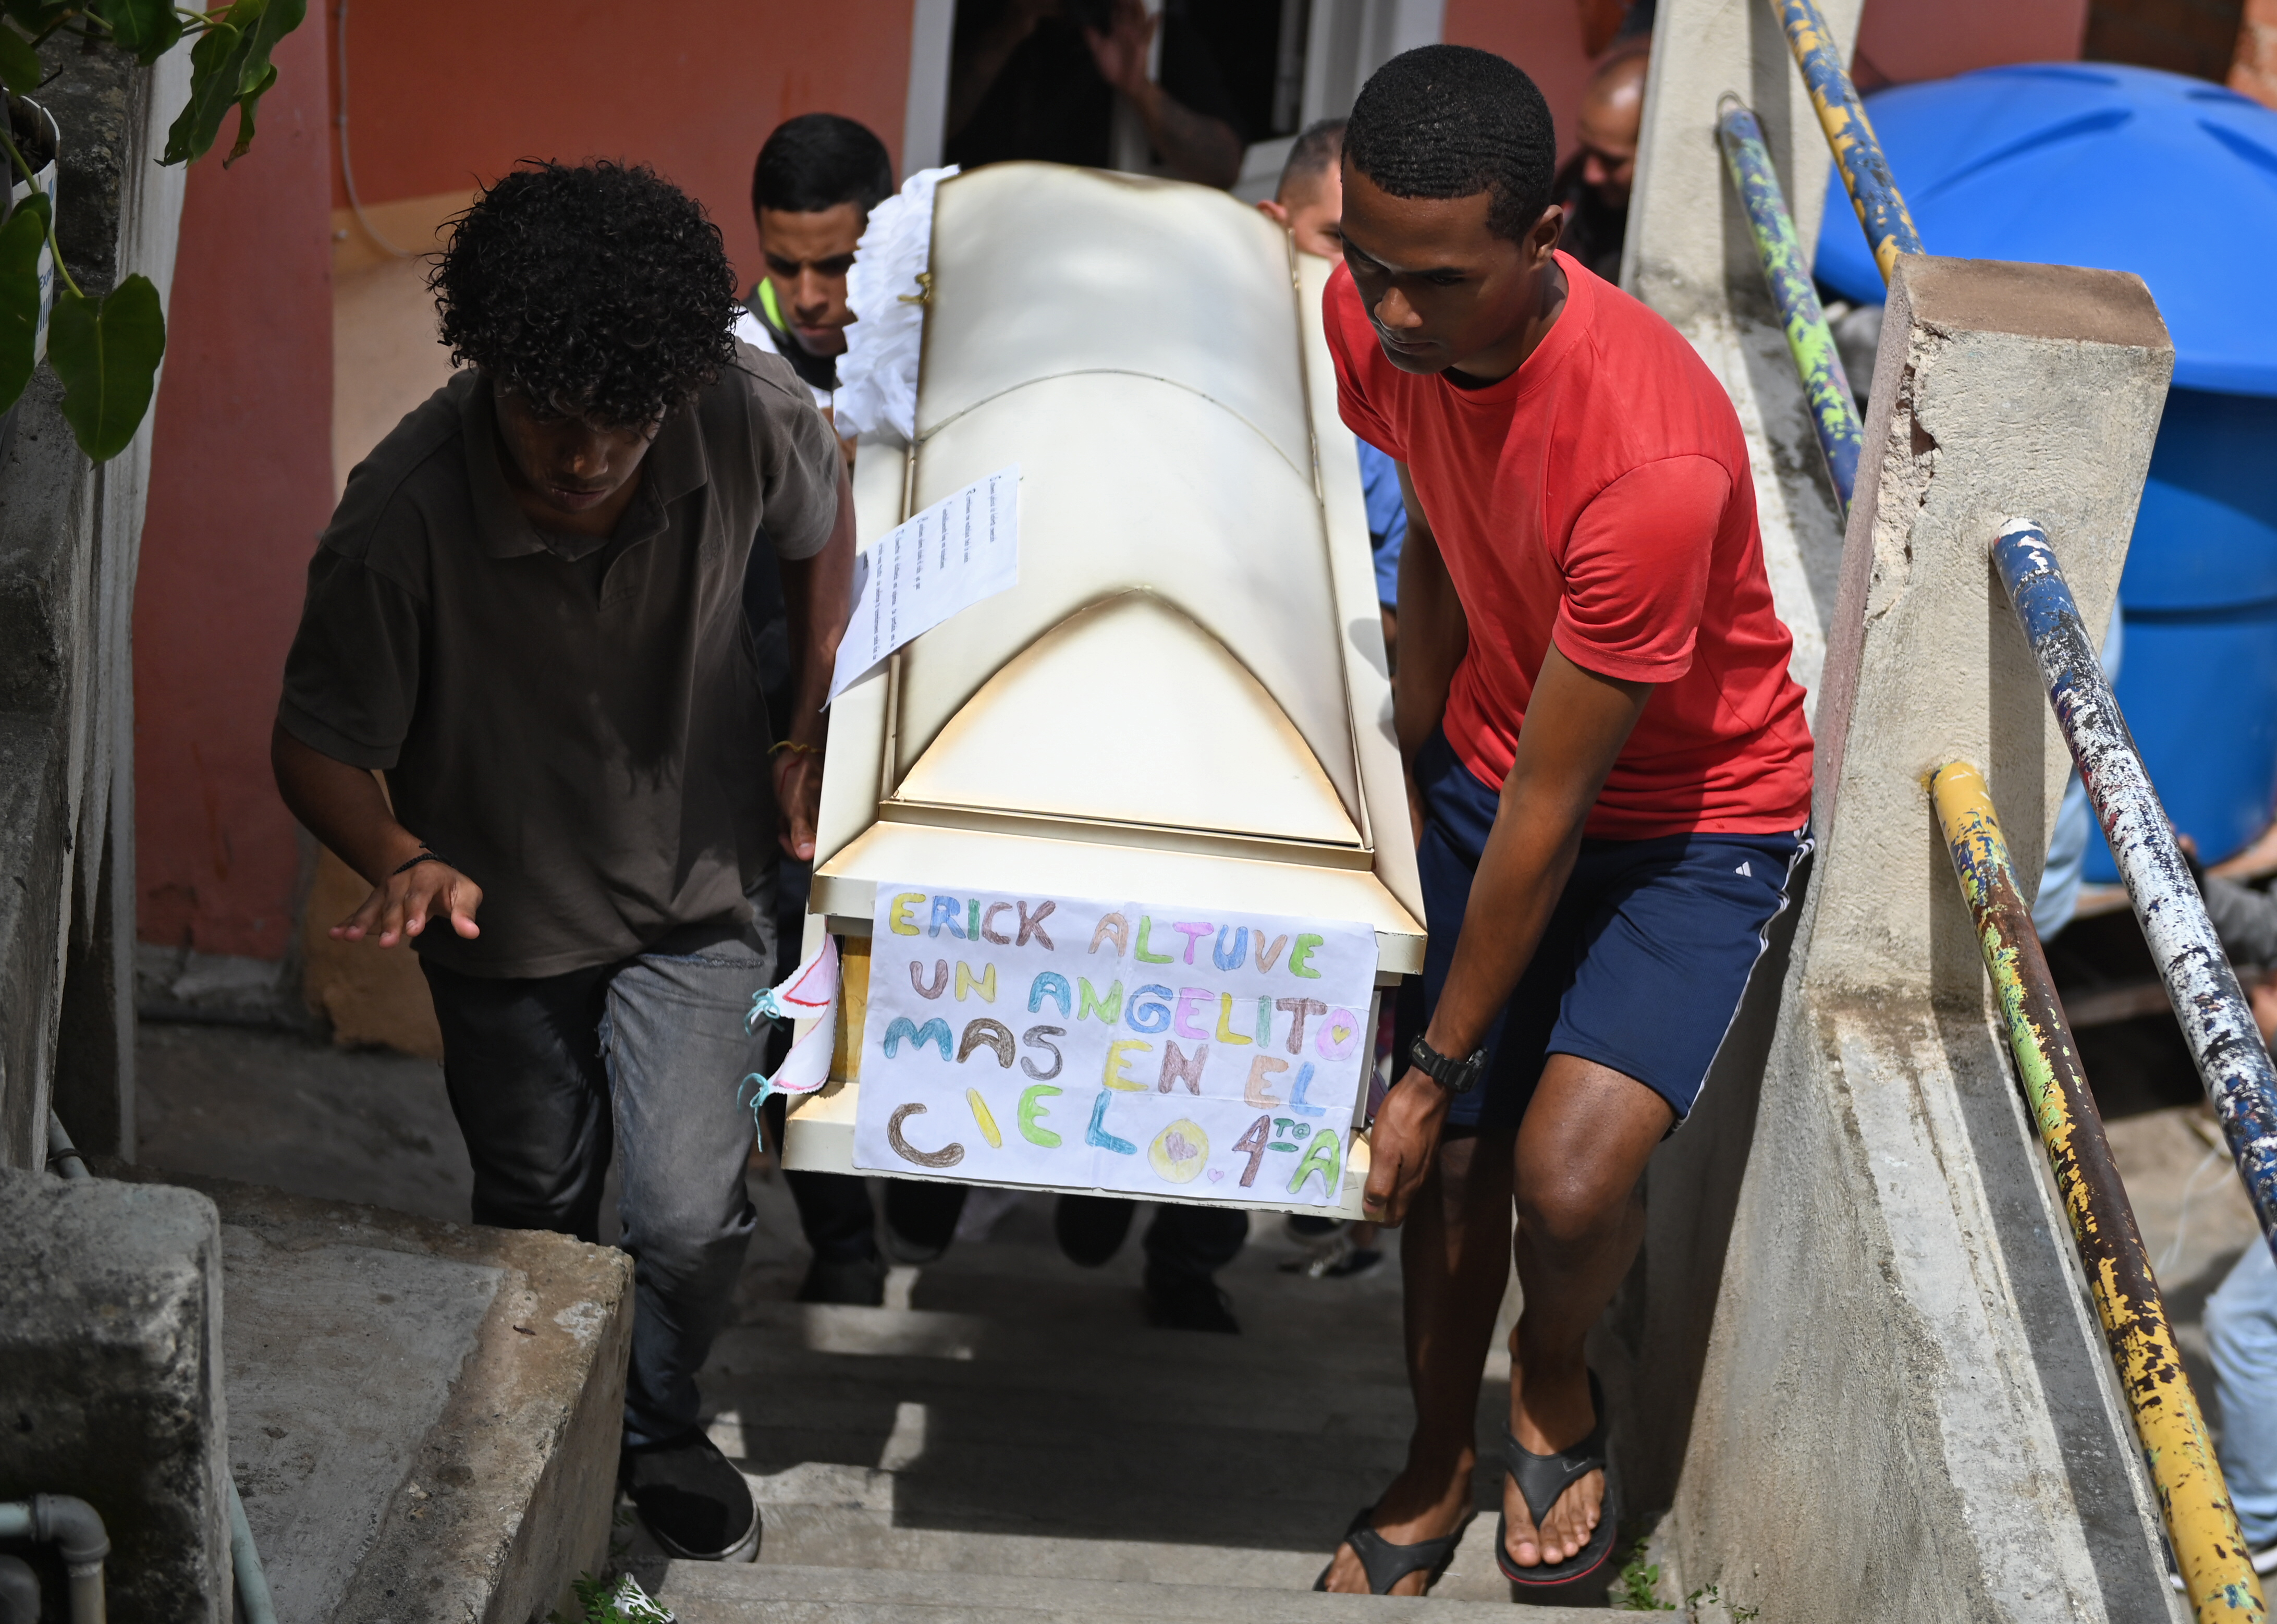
(2197, 37)
(1239, 61)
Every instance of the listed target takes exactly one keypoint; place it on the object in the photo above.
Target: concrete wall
(1904, 1405)
(110, 1379)
(68, 539)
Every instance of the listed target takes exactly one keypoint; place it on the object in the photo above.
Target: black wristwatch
(1454, 1076)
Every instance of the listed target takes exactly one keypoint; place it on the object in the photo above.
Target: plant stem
(8, 141)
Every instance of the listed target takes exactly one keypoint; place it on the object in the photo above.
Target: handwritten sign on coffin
(1152, 1049)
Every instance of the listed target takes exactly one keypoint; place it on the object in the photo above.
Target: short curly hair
(1453, 121)
(601, 290)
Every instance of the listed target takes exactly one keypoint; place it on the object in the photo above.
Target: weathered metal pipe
(75, 1530)
(1857, 153)
(1787, 273)
(63, 1155)
(2216, 1563)
(2232, 1060)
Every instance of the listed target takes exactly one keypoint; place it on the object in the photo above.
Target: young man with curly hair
(1608, 768)
(526, 618)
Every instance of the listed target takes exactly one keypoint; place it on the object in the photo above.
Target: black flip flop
(1386, 1564)
(1542, 1480)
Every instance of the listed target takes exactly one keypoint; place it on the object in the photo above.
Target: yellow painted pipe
(2216, 1568)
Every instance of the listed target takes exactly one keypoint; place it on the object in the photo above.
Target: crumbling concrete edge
(512, 1492)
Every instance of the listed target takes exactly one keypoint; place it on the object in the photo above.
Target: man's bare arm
(818, 596)
(1576, 723)
(343, 807)
(1198, 148)
(1436, 636)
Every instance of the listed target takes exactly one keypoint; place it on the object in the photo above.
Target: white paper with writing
(964, 548)
(1155, 1049)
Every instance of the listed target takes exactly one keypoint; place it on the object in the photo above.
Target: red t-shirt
(1599, 497)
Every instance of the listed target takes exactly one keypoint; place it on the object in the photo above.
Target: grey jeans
(546, 1075)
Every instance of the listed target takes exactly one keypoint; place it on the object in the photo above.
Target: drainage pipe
(1787, 273)
(2217, 1567)
(19, 1591)
(2232, 1060)
(252, 1579)
(63, 1155)
(1857, 152)
(73, 1528)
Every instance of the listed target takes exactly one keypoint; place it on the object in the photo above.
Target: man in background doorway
(1593, 184)
(1038, 78)
(817, 179)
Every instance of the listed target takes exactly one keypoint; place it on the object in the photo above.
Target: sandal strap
(1387, 1564)
(1542, 1479)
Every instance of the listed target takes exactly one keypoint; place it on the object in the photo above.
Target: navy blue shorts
(1642, 965)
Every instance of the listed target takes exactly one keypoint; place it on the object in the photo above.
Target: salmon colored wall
(1902, 41)
(240, 483)
(1899, 41)
(1542, 36)
(444, 95)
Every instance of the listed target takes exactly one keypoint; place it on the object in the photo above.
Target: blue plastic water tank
(2174, 178)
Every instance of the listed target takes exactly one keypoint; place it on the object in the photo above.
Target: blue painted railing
(1787, 273)
(2234, 1063)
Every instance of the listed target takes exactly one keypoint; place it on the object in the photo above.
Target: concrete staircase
(1009, 1439)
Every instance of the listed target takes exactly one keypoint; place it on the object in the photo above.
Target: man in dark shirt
(1037, 79)
(1593, 184)
(527, 615)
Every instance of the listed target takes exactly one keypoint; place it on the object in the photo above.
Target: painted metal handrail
(1857, 153)
(2216, 1564)
(1787, 273)
(2232, 1060)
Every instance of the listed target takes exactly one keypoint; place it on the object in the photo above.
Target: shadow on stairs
(1008, 1438)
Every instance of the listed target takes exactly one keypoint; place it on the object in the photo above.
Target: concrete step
(1011, 1439)
(423, 1416)
(701, 1593)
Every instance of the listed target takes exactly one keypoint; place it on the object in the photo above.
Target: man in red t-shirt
(1608, 768)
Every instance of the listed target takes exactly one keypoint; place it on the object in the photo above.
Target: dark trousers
(546, 1075)
(1188, 1242)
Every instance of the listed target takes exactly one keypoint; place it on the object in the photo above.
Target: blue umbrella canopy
(2093, 163)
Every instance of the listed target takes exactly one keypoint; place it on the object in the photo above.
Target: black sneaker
(860, 1281)
(920, 1219)
(1189, 1302)
(1090, 1228)
(693, 1500)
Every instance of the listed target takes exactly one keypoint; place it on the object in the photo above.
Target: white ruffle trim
(878, 380)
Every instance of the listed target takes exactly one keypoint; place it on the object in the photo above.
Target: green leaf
(21, 240)
(107, 352)
(246, 104)
(146, 28)
(230, 67)
(20, 64)
(36, 17)
(214, 61)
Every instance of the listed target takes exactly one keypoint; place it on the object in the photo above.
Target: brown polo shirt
(575, 722)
